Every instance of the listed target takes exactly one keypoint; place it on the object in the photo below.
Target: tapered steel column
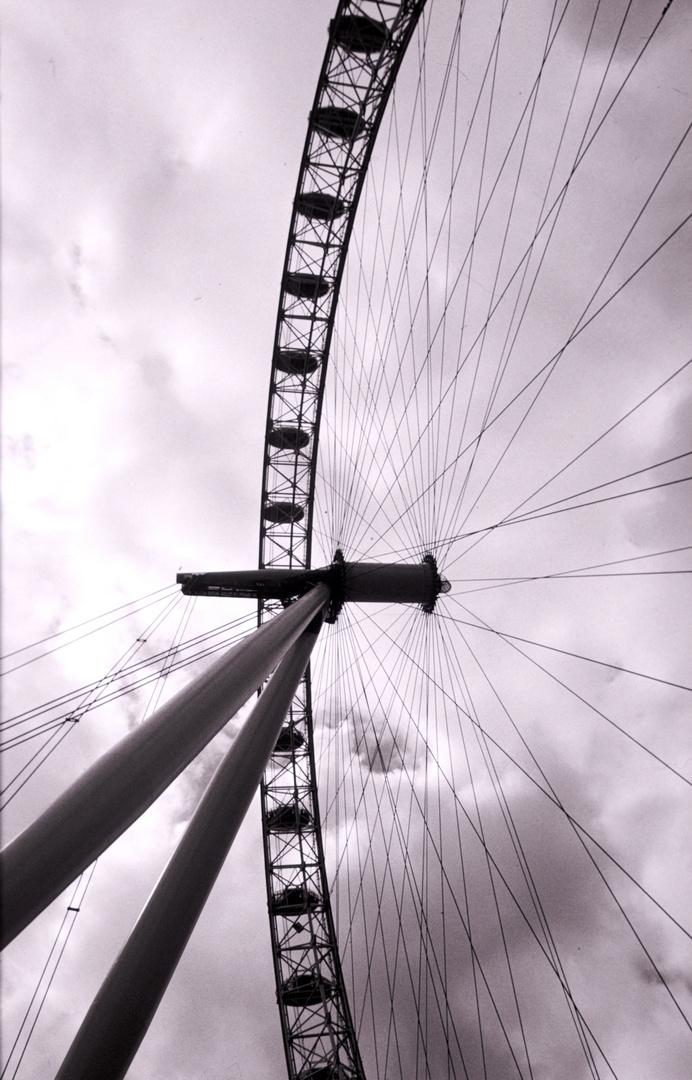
(121, 785)
(125, 1005)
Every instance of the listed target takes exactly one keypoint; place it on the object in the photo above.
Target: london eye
(474, 817)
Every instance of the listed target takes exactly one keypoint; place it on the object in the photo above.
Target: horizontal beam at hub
(356, 582)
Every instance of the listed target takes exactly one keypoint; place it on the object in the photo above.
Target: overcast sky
(149, 164)
(150, 160)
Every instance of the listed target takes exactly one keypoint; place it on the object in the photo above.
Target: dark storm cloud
(586, 927)
(144, 220)
(380, 747)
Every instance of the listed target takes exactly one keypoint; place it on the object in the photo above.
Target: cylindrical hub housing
(390, 583)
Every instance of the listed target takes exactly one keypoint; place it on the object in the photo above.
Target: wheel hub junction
(356, 582)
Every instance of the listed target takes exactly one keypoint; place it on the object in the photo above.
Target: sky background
(149, 166)
(149, 161)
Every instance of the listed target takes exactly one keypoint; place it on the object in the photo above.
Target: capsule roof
(296, 361)
(294, 900)
(289, 739)
(288, 818)
(319, 205)
(283, 513)
(306, 989)
(338, 123)
(305, 286)
(288, 438)
(359, 34)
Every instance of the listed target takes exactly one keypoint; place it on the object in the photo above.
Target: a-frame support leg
(121, 785)
(119, 1017)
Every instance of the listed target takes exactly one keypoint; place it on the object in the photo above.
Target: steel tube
(124, 782)
(125, 1005)
(380, 583)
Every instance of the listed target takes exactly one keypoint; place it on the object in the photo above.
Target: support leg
(125, 1005)
(121, 785)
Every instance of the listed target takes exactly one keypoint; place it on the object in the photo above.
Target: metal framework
(367, 42)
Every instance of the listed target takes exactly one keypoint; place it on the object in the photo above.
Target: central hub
(349, 582)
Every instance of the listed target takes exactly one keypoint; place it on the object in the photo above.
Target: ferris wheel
(478, 410)
(473, 815)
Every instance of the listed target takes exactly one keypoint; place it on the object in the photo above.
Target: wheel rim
(363, 55)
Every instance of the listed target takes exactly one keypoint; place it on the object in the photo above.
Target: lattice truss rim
(367, 42)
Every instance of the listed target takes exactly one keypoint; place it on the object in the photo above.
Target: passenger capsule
(289, 739)
(283, 513)
(296, 361)
(294, 900)
(307, 989)
(320, 1072)
(306, 286)
(288, 818)
(319, 206)
(358, 33)
(338, 123)
(288, 438)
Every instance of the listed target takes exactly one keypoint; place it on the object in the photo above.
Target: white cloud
(149, 161)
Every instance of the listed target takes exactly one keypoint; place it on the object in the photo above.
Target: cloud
(146, 205)
(379, 747)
